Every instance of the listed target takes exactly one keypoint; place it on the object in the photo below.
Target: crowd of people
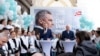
(15, 41)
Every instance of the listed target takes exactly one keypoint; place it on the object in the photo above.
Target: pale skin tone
(47, 19)
(3, 40)
(67, 27)
(13, 35)
(4, 23)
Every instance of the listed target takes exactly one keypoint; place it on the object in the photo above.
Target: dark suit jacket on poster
(43, 35)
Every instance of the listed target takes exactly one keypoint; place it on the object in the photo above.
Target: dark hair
(93, 30)
(22, 31)
(1, 21)
(16, 29)
(82, 35)
(9, 21)
(98, 32)
(41, 14)
(37, 32)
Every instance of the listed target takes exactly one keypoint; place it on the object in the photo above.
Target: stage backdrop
(61, 17)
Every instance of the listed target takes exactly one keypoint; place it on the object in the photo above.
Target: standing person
(93, 35)
(31, 49)
(3, 40)
(12, 44)
(3, 23)
(68, 34)
(37, 44)
(24, 44)
(57, 46)
(9, 25)
(97, 39)
(43, 16)
(84, 46)
(97, 34)
(33, 34)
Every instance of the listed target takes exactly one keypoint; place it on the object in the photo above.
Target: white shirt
(32, 47)
(54, 43)
(39, 26)
(17, 42)
(26, 43)
(1, 26)
(33, 36)
(97, 40)
(93, 37)
(5, 48)
(10, 27)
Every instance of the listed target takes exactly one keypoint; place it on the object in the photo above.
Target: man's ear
(41, 21)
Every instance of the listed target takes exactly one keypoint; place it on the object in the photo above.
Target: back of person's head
(37, 54)
(97, 32)
(81, 36)
(41, 15)
(67, 54)
(98, 28)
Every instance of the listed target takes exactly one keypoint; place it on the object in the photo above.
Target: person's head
(98, 28)
(3, 39)
(9, 22)
(82, 36)
(13, 34)
(97, 33)
(29, 33)
(93, 32)
(37, 54)
(58, 35)
(77, 30)
(33, 32)
(67, 27)
(23, 32)
(44, 16)
(6, 31)
(17, 30)
(3, 22)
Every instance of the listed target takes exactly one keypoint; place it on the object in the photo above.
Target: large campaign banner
(62, 17)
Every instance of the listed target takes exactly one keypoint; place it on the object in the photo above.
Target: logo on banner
(78, 13)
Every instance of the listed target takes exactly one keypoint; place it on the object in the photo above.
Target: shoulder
(79, 51)
(71, 31)
(64, 31)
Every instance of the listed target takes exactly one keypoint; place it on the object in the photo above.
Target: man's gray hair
(40, 15)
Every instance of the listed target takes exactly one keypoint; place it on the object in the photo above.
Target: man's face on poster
(48, 20)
